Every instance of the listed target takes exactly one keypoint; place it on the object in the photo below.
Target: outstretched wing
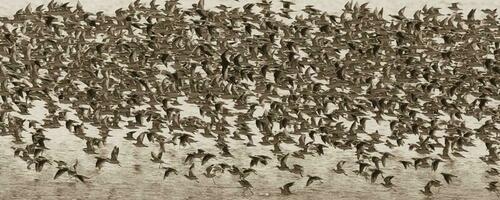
(114, 153)
(60, 172)
(283, 160)
(140, 138)
(201, 4)
(100, 161)
(388, 179)
(340, 164)
(81, 177)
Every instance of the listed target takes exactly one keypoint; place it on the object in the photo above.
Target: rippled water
(139, 178)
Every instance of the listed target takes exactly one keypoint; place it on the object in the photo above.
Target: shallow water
(139, 178)
(145, 180)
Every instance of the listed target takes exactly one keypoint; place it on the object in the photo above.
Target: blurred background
(9, 7)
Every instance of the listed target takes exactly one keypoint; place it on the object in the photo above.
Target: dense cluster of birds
(296, 81)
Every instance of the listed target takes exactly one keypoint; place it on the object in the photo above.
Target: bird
(447, 177)
(339, 169)
(206, 158)
(90, 149)
(405, 163)
(297, 169)
(493, 171)
(454, 7)
(435, 164)
(387, 182)
(246, 186)
(81, 178)
(156, 158)
(130, 135)
(300, 80)
(191, 175)
(312, 179)
(100, 162)
(362, 167)
(285, 189)
(60, 172)
(168, 171)
(114, 156)
(283, 166)
(427, 189)
(492, 186)
(375, 174)
(140, 140)
(210, 173)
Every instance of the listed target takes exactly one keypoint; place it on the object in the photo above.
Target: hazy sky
(9, 7)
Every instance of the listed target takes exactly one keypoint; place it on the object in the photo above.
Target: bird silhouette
(262, 82)
(246, 186)
(168, 171)
(447, 177)
(312, 179)
(285, 189)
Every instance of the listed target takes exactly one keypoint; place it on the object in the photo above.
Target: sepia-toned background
(138, 178)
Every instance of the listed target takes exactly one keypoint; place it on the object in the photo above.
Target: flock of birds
(305, 79)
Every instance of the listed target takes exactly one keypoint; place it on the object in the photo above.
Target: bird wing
(283, 160)
(140, 138)
(264, 157)
(100, 161)
(402, 11)
(130, 134)
(446, 177)
(89, 145)
(470, 16)
(340, 164)
(169, 170)
(493, 183)
(209, 169)
(362, 166)
(435, 164)
(374, 175)
(151, 136)
(249, 136)
(254, 161)
(427, 187)
(417, 161)
(206, 158)
(388, 179)
(263, 161)
(309, 181)
(114, 153)
(189, 158)
(191, 174)
(60, 172)
(75, 165)
(81, 177)
(138, 118)
(165, 175)
(201, 4)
